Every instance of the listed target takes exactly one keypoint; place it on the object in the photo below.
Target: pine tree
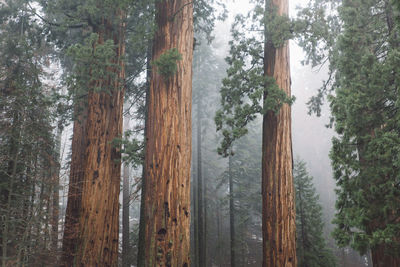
(311, 246)
(362, 48)
(28, 158)
(245, 203)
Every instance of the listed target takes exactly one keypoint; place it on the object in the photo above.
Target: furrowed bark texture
(168, 143)
(99, 218)
(79, 140)
(279, 229)
(381, 259)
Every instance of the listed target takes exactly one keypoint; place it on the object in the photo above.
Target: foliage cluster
(99, 56)
(311, 246)
(166, 63)
(360, 41)
(247, 91)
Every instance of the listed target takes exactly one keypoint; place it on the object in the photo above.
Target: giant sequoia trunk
(91, 232)
(99, 218)
(166, 235)
(279, 229)
(381, 259)
(72, 212)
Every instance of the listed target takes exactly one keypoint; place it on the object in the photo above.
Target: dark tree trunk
(141, 252)
(55, 197)
(200, 192)
(219, 252)
(125, 209)
(381, 259)
(279, 229)
(231, 214)
(166, 218)
(304, 240)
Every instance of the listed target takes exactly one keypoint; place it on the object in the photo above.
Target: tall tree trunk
(166, 217)
(74, 201)
(195, 217)
(380, 258)
(231, 214)
(207, 261)
(219, 241)
(304, 240)
(141, 250)
(125, 209)
(279, 229)
(56, 197)
(200, 193)
(99, 218)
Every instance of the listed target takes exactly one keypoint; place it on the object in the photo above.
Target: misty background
(311, 138)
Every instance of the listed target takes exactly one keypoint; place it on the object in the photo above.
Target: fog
(225, 201)
(311, 134)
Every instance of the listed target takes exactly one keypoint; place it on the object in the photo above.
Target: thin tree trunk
(125, 209)
(99, 218)
(195, 217)
(141, 249)
(168, 143)
(279, 229)
(195, 213)
(200, 193)
(231, 213)
(56, 197)
(219, 253)
(205, 203)
(303, 233)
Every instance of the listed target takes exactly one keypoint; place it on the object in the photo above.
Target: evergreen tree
(311, 246)
(98, 78)
(363, 94)
(244, 177)
(28, 158)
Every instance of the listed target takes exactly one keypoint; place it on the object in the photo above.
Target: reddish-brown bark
(279, 229)
(99, 218)
(70, 238)
(91, 230)
(166, 219)
(380, 258)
